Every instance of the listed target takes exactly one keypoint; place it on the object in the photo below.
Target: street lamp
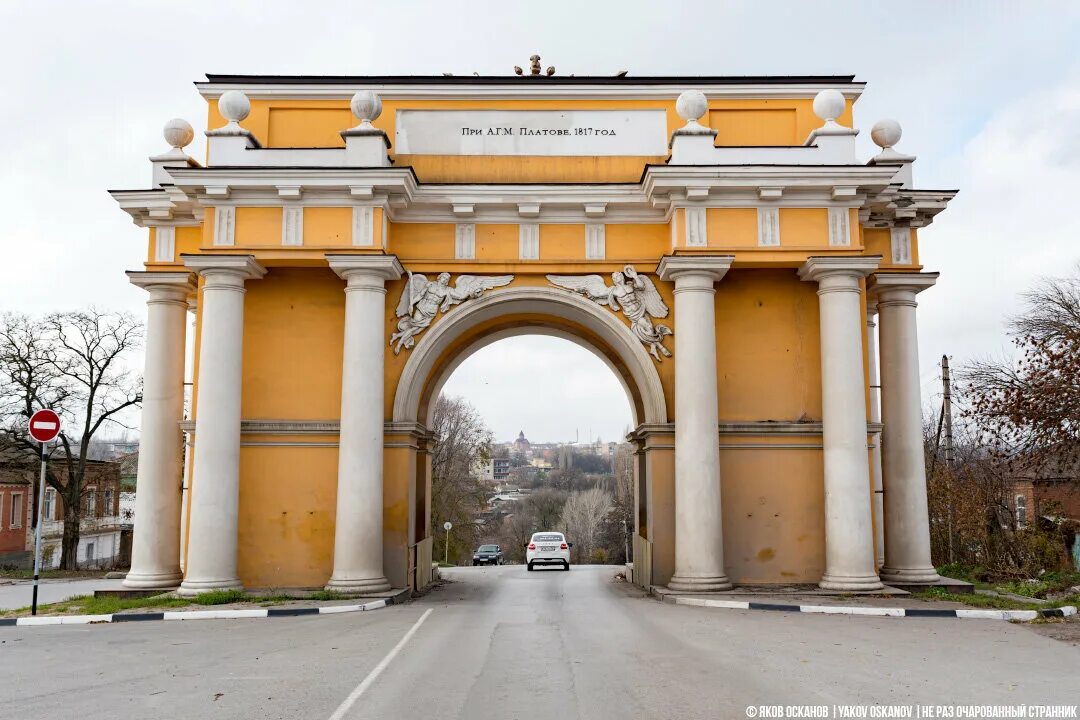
(446, 548)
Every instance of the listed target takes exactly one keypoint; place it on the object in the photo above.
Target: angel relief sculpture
(633, 294)
(423, 299)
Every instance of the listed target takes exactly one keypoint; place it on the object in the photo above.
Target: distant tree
(1029, 409)
(544, 507)
(592, 464)
(460, 439)
(583, 515)
(517, 459)
(567, 480)
(624, 471)
(73, 363)
(522, 476)
(517, 528)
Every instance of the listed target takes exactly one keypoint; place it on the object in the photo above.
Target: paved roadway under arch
(504, 643)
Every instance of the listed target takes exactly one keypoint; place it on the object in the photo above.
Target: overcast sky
(988, 95)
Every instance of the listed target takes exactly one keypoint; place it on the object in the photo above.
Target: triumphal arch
(348, 241)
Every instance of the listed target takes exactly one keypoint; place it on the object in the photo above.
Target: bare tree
(1028, 410)
(582, 516)
(73, 363)
(460, 440)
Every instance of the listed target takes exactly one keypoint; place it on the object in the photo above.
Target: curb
(194, 614)
(1065, 611)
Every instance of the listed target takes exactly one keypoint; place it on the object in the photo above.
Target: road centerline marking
(372, 676)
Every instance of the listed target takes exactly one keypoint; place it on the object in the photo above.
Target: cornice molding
(517, 91)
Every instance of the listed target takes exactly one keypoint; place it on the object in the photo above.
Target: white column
(215, 491)
(155, 558)
(907, 523)
(699, 538)
(875, 417)
(189, 441)
(358, 533)
(849, 546)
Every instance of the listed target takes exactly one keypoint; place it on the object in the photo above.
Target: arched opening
(530, 311)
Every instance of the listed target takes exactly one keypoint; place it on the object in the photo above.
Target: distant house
(99, 510)
(1033, 496)
(15, 502)
(493, 470)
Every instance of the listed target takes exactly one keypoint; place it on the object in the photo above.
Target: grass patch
(329, 595)
(992, 602)
(219, 597)
(1046, 584)
(108, 605)
(974, 574)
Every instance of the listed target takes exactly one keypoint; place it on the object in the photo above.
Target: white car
(548, 548)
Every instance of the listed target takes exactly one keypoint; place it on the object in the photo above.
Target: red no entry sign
(44, 425)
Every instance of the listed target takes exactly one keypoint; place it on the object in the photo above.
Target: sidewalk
(19, 593)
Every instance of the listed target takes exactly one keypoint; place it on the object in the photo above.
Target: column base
(850, 582)
(191, 588)
(714, 583)
(910, 575)
(359, 586)
(152, 581)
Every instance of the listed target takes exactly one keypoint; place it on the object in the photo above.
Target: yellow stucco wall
(294, 322)
(768, 347)
(288, 497)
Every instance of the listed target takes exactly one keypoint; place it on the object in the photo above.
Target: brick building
(14, 520)
(1055, 498)
(99, 512)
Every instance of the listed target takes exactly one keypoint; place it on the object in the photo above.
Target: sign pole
(446, 547)
(44, 426)
(37, 531)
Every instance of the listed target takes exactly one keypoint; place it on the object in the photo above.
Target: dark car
(487, 555)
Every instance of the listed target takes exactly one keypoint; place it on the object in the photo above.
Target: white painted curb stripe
(214, 614)
(84, 619)
(332, 609)
(374, 674)
(191, 615)
(40, 620)
(971, 614)
(706, 602)
(834, 610)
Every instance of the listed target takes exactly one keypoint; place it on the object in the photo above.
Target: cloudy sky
(988, 95)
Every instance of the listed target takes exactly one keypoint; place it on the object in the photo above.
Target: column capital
(881, 284)
(817, 268)
(871, 311)
(714, 267)
(179, 284)
(383, 267)
(236, 267)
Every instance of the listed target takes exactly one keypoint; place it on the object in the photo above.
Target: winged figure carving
(423, 299)
(632, 294)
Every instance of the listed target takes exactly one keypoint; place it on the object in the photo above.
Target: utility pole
(946, 413)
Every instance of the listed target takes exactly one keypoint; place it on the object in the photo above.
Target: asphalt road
(503, 643)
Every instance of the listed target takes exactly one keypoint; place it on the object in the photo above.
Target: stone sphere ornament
(366, 106)
(178, 133)
(691, 105)
(886, 133)
(234, 106)
(829, 105)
